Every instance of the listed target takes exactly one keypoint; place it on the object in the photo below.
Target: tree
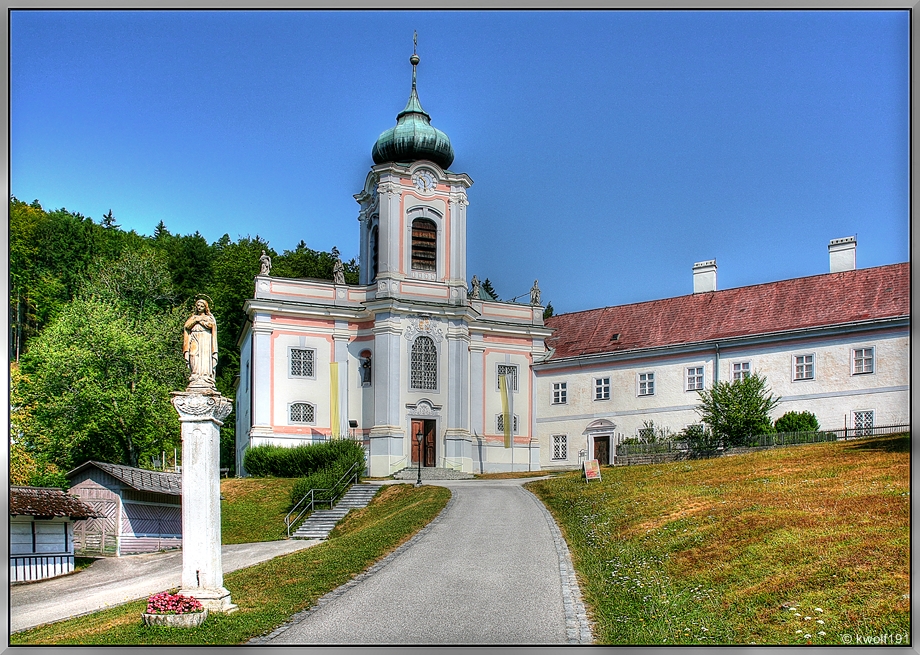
(548, 311)
(96, 381)
(797, 422)
(487, 287)
(738, 410)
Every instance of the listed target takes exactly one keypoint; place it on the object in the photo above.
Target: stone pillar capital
(193, 406)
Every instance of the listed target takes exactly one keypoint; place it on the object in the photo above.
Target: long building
(410, 359)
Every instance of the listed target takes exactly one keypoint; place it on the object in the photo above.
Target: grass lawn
(253, 509)
(809, 544)
(269, 593)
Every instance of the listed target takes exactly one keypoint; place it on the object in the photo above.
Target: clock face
(424, 181)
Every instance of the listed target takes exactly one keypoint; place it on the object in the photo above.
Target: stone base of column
(214, 600)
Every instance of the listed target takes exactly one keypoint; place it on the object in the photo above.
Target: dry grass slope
(791, 546)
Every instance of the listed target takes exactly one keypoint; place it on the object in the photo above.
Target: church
(423, 367)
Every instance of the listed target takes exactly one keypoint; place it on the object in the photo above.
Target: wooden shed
(141, 510)
(41, 532)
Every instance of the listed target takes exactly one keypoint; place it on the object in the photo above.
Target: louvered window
(375, 252)
(424, 364)
(424, 245)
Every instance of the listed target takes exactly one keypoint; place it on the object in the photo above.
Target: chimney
(704, 276)
(843, 254)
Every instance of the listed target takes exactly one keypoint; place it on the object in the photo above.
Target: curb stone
(577, 625)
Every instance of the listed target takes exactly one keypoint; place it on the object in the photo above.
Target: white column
(340, 337)
(201, 415)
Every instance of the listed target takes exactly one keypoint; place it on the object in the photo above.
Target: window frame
(435, 354)
(560, 444)
(853, 360)
(602, 388)
(744, 370)
(290, 409)
(699, 375)
(559, 393)
(795, 365)
(649, 383)
(863, 430)
(517, 375)
(500, 424)
(290, 367)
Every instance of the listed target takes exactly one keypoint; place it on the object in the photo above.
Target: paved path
(491, 569)
(116, 580)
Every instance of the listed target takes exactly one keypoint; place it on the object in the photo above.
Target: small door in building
(427, 428)
(602, 450)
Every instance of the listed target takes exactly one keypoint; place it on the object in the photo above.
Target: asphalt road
(117, 580)
(491, 569)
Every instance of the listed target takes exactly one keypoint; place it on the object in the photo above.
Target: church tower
(413, 253)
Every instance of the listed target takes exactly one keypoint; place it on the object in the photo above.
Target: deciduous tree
(738, 410)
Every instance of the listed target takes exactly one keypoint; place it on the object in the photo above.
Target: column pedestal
(201, 414)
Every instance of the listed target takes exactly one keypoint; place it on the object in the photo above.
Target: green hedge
(323, 481)
(300, 461)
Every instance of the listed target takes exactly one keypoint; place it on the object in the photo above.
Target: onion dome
(413, 138)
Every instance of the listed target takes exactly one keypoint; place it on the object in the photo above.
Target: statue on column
(535, 294)
(338, 270)
(266, 263)
(199, 345)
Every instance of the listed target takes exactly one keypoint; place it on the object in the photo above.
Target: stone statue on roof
(266, 263)
(474, 294)
(338, 269)
(535, 294)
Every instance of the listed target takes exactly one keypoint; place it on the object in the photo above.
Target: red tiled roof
(47, 501)
(819, 300)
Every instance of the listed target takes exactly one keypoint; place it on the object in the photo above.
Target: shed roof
(806, 302)
(48, 501)
(159, 482)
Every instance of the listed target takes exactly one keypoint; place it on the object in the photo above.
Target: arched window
(375, 252)
(424, 364)
(302, 413)
(424, 245)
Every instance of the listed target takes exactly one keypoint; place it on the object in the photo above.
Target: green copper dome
(413, 138)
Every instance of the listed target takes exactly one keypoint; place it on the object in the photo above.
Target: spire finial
(414, 58)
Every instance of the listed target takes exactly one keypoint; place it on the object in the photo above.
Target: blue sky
(609, 150)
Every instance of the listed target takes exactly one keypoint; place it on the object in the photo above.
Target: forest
(95, 343)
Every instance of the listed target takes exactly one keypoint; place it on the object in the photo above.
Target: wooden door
(602, 450)
(430, 459)
(417, 426)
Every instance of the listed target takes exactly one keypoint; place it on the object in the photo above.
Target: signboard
(592, 470)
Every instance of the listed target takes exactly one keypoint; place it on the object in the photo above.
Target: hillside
(791, 546)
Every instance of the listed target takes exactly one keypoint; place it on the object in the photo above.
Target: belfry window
(424, 364)
(424, 245)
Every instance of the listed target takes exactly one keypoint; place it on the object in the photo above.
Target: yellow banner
(507, 415)
(334, 400)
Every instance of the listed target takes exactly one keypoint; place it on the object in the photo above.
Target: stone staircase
(320, 523)
(410, 473)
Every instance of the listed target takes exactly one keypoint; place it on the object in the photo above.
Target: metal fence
(775, 439)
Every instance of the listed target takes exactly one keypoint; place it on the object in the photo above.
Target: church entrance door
(426, 427)
(602, 450)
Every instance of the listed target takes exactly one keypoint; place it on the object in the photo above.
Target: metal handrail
(394, 467)
(350, 474)
(453, 464)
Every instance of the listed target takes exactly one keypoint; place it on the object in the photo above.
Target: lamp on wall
(418, 437)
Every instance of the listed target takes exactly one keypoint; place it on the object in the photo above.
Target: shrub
(739, 410)
(299, 461)
(797, 422)
(701, 442)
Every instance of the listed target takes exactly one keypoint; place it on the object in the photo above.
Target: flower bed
(174, 610)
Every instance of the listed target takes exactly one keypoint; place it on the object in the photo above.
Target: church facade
(411, 360)
(408, 360)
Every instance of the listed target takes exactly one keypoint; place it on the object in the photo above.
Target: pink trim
(275, 335)
(308, 322)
